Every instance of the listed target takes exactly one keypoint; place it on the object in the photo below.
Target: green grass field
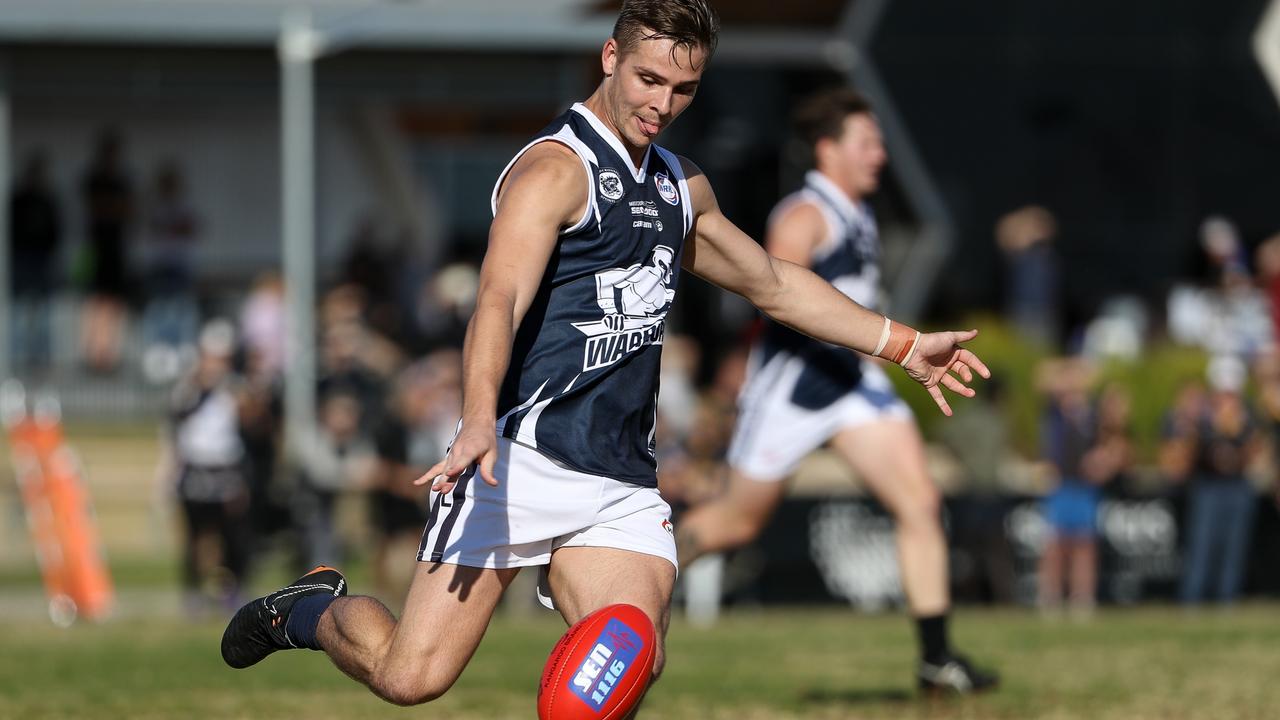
(827, 663)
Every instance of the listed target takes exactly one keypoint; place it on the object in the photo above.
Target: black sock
(304, 618)
(933, 637)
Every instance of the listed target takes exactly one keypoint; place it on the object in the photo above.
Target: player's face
(859, 154)
(650, 85)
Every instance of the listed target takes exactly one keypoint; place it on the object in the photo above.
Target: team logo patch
(613, 652)
(666, 188)
(610, 184)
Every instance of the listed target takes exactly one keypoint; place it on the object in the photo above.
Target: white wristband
(912, 351)
(884, 338)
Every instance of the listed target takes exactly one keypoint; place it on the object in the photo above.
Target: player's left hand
(939, 355)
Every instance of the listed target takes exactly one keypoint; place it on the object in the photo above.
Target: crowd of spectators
(389, 384)
(1215, 453)
(340, 492)
(1213, 461)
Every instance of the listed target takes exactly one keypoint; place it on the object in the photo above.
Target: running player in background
(553, 461)
(802, 393)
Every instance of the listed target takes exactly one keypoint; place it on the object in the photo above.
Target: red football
(600, 668)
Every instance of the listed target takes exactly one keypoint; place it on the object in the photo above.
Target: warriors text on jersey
(848, 258)
(583, 381)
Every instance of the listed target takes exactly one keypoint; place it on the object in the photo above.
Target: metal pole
(298, 49)
(6, 351)
(925, 259)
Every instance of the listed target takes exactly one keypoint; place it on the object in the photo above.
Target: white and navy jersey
(582, 386)
(848, 258)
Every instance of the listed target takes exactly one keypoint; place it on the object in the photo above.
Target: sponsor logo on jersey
(646, 215)
(634, 301)
(613, 652)
(666, 188)
(610, 184)
(666, 525)
(647, 208)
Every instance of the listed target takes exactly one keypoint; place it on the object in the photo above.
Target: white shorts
(773, 434)
(538, 507)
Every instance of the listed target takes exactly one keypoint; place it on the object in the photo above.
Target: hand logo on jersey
(635, 301)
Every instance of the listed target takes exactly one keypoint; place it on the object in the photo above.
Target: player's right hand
(471, 447)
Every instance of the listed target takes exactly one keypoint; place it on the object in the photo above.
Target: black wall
(1132, 121)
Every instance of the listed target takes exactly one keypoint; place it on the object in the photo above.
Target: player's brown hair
(690, 23)
(822, 115)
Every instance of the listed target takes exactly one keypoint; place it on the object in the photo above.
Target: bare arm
(720, 253)
(545, 192)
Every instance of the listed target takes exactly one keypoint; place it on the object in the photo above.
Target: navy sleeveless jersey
(849, 259)
(582, 386)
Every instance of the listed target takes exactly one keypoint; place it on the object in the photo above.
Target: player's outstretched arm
(545, 192)
(720, 253)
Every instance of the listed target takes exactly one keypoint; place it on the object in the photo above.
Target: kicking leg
(731, 520)
(585, 579)
(406, 663)
(417, 659)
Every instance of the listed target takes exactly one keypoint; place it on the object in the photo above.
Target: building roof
(753, 28)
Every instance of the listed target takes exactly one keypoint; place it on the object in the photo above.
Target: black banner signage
(843, 550)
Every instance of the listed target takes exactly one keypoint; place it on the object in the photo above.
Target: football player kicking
(553, 462)
(801, 393)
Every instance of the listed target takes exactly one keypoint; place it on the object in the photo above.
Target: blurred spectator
(978, 438)
(1268, 263)
(1031, 271)
(335, 460)
(208, 464)
(35, 231)
(1221, 502)
(262, 322)
(343, 364)
(1088, 446)
(679, 368)
(1267, 376)
(377, 263)
(1112, 457)
(693, 431)
(1221, 244)
(425, 406)
(261, 425)
(1178, 431)
(171, 316)
(109, 210)
(1117, 332)
(445, 303)
(1231, 315)
(351, 346)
